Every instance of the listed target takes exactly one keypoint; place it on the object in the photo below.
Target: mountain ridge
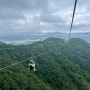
(66, 67)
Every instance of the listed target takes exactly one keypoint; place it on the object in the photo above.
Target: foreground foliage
(65, 66)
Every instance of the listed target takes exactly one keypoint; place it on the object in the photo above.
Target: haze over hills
(30, 38)
(65, 66)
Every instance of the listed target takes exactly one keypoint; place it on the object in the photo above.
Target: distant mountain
(54, 34)
(28, 38)
(85, 36)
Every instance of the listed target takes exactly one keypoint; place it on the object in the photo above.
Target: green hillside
(64, 66)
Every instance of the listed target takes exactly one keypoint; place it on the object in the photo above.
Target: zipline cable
(72, 18)
(24, 60)
(47, 51)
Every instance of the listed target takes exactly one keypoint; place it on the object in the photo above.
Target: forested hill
(64, 66)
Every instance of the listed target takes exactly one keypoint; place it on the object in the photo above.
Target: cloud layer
(27, 17)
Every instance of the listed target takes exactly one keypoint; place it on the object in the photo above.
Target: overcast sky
(24, 17)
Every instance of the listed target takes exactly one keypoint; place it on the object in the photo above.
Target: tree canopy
(65, 66)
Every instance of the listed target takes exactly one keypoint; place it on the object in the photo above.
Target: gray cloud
(10, 14)
(14, 9)
(23, 4)
(51, 18)
(26, 17)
